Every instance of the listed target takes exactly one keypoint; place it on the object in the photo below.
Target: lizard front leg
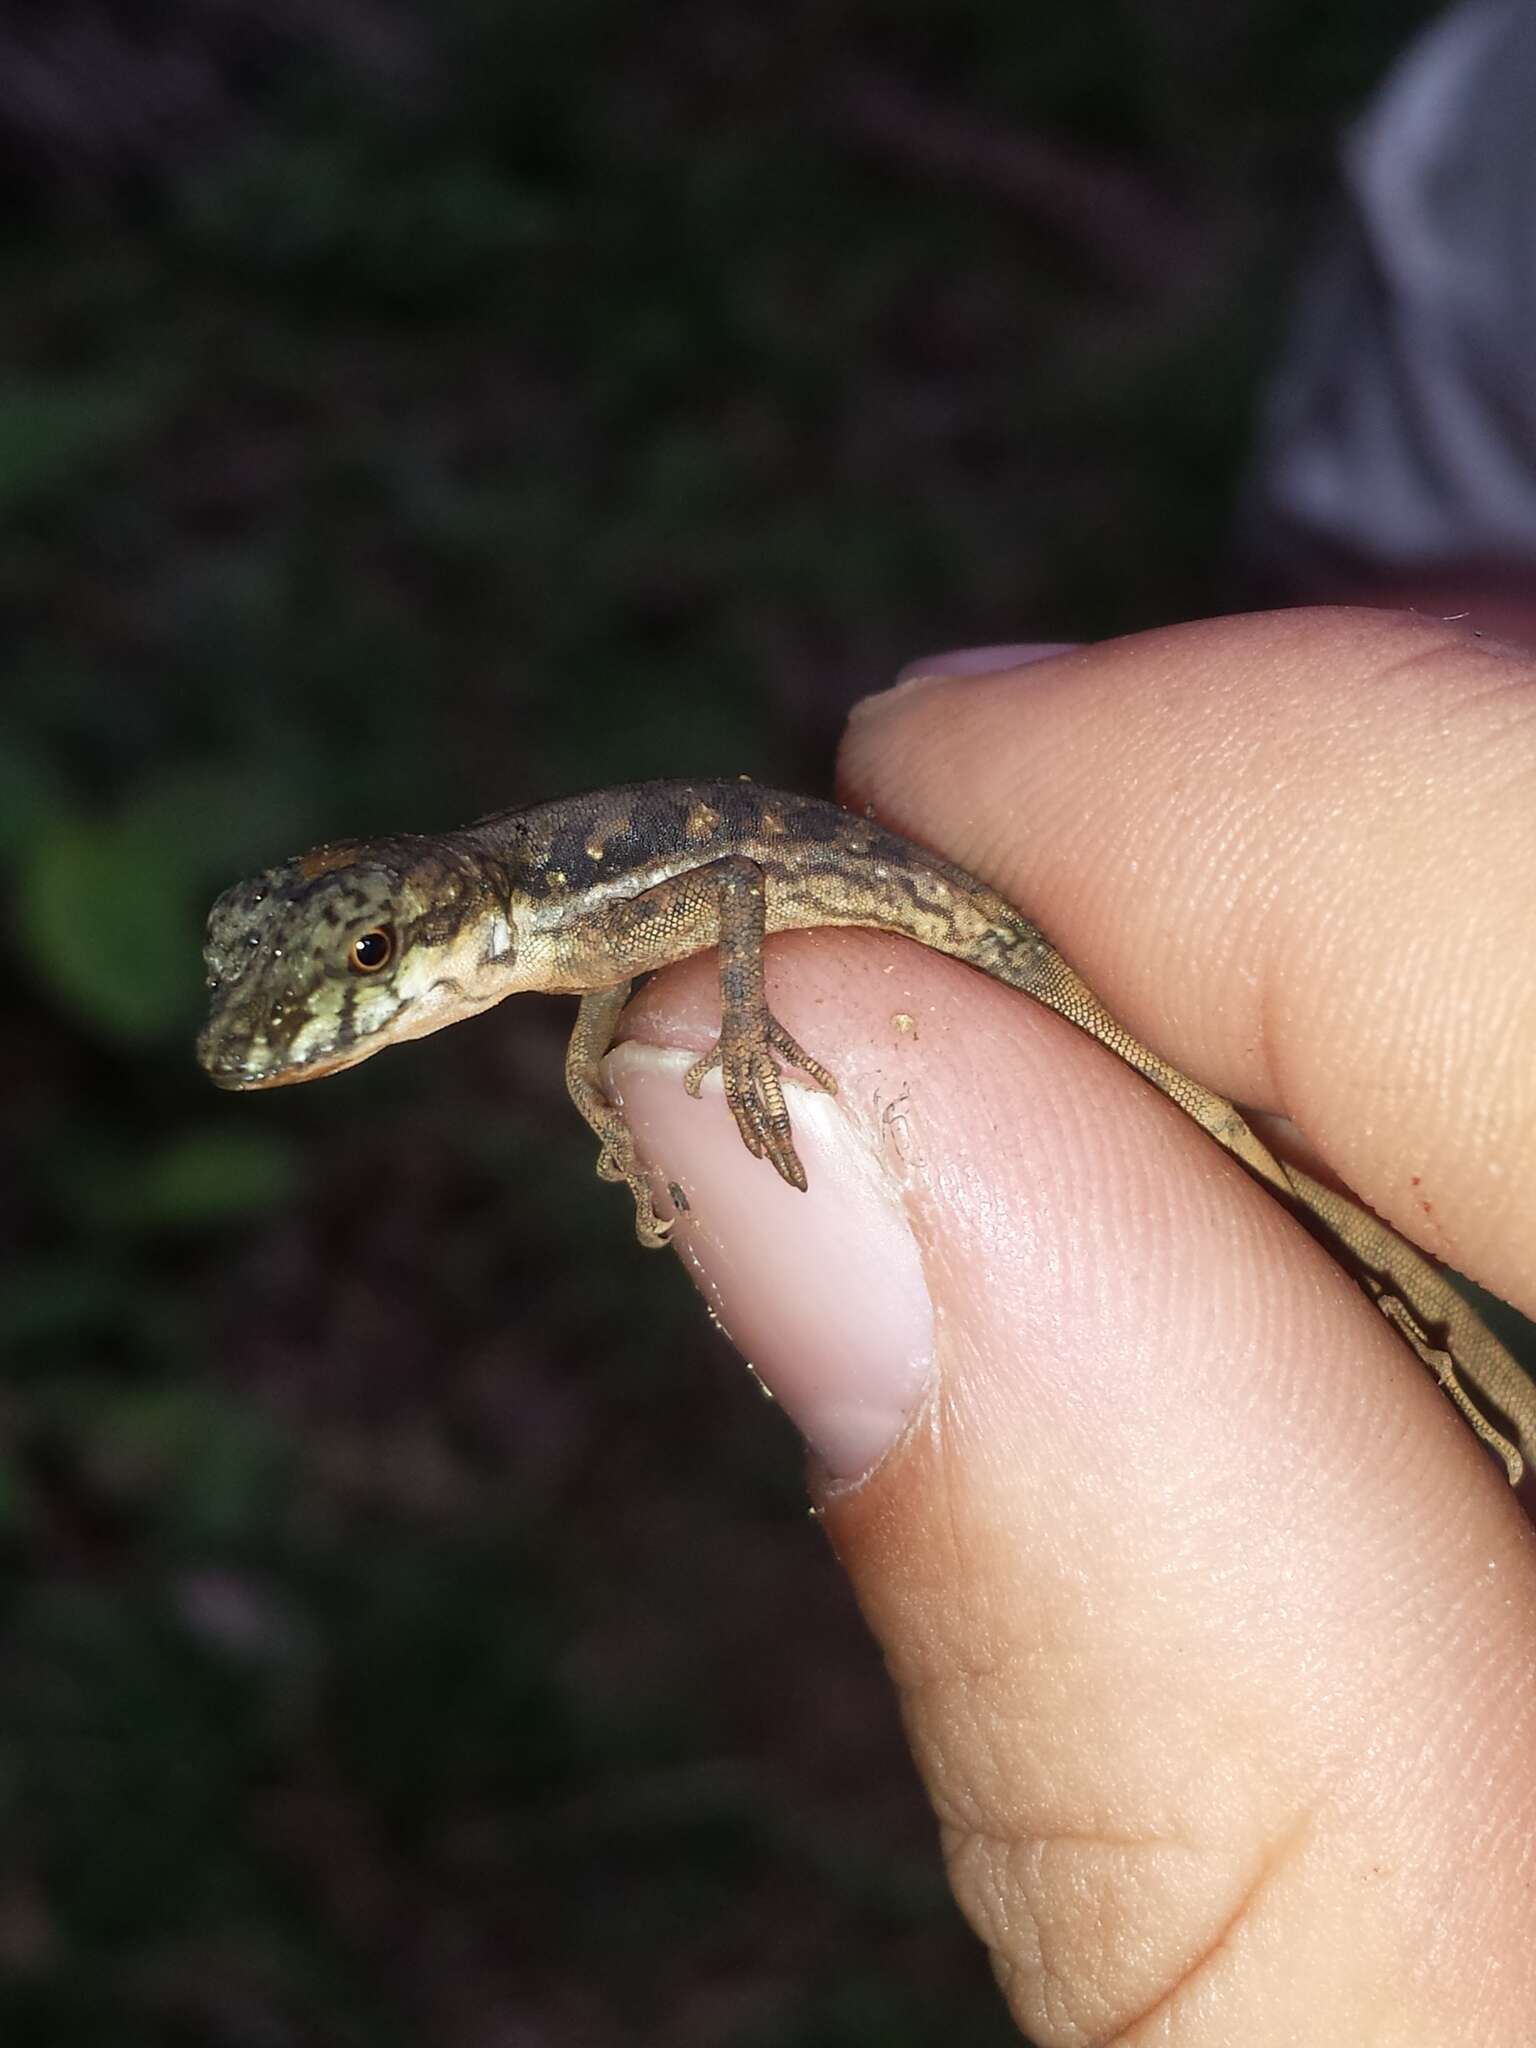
(721, 903)
(591, 1036)
(750, 1034)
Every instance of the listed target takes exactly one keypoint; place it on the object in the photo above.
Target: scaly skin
(326, 959)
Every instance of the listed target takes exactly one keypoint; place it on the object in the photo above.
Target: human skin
(1213, 1628)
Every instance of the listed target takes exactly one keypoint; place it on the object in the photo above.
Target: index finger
(1295, 853)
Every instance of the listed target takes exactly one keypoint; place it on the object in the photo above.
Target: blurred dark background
(413, 1628)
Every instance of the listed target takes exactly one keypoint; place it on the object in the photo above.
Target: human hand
(1213, 1627)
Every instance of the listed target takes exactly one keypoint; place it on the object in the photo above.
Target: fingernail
(978, 661)
(822, 1292)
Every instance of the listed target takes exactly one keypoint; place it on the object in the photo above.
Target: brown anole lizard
(323, 960)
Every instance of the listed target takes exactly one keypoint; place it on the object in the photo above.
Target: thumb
(1205, 1613)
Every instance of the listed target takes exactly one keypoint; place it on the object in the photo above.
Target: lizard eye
(372, 951)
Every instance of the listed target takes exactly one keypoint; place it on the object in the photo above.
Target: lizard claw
(617, 1160)
(653, 1231)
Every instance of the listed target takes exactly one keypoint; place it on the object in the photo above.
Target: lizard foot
(617, 1160)
(754, 1089)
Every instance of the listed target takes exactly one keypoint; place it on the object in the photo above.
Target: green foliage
(104, 919)
(205, 1178)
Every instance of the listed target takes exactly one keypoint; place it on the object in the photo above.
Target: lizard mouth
(237, 1081)
(239, 1075)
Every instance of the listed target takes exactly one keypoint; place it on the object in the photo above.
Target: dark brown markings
(819, 851)
(346, 1024)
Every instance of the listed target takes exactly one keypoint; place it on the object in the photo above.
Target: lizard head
(323, 960)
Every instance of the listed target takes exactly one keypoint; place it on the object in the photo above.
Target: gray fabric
(1401, 427)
